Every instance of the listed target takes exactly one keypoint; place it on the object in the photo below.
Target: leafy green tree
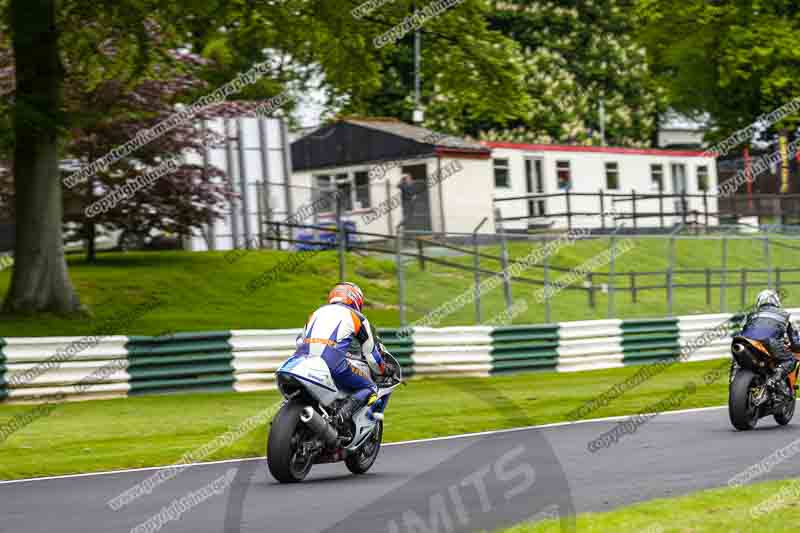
(578, 53)
(63, 52)
(470, 73)
(549, 65)
(734, 60)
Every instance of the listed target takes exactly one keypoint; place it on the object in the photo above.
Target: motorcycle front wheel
(285, 457)
(364, 458)
(743, 414)
(784, 416)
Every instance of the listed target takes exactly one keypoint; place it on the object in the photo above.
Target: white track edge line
(406, 442)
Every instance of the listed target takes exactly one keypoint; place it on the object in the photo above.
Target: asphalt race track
(461, 484)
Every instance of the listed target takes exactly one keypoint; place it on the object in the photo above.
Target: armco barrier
(459, 351)
(519, 348)
(588, 345)
(246, 360)
(3, 388)
(35, 368)
(180, 362)
(647, 341)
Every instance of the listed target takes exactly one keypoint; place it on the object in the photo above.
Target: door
(416, 203)
(534, 184)
(678, 173)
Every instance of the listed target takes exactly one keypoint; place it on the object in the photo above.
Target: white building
(587, 176)
(254, 155)
(364, 159)
(679, 131)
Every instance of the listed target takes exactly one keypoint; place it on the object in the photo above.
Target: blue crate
(327, 233)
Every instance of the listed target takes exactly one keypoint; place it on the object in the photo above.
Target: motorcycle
(749, 397)
(307, 429)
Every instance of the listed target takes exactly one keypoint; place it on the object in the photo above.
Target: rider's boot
(350, 406)
(778, 383)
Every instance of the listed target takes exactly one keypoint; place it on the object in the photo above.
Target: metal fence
(735, 268)
(662, 208)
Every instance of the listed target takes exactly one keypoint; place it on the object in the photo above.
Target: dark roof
(417, 133)
(352, 141)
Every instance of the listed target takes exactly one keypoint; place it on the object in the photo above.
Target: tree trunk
(89, 227)
(40, 280)
(91, 235)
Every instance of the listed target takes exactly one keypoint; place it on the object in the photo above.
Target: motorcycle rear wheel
(743, 414)
(287, 434)
(363, 460)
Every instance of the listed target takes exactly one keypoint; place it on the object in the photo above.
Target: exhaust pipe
(319, 426)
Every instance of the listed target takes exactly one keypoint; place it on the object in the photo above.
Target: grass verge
(717, 510)
(208, 291)
(158, 430)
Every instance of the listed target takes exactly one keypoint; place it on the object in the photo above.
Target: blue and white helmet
(768, 297)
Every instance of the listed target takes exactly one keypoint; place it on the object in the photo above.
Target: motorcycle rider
(770, 324)
(329, 333)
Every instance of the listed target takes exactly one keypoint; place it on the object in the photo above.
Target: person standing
(408, 195)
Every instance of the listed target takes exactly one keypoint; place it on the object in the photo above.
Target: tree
(40, 280)
(470, 73)
(578, 54)
(39, 121)
(554, 60)
(65, 40)
(181, 200)
(732, 60)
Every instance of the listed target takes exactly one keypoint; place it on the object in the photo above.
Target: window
(612, 176)
(501, 173)
(657, 176)
(678, 177)
(362, 189)
(325, 192)
(345, 189)
(533, 177)
(563, 176)
(702, 178)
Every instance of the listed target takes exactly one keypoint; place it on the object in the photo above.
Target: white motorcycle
(307, 431)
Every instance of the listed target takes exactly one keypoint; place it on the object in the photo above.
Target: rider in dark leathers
(770, 324)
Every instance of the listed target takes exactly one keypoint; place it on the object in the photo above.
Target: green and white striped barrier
(3, 386)
(35, 369)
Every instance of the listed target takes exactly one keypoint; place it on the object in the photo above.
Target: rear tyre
(786, 412)
(363, 460)
(286, 436)
(743, 414)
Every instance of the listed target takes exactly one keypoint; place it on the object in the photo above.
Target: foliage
(126, 64)
(734, 60)
(578, 53)
(109, 112)
(470, 72)
(550, 64)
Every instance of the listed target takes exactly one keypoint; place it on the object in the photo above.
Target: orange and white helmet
(347, 293)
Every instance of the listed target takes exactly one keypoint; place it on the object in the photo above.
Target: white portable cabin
(528, 169)
(364, 159)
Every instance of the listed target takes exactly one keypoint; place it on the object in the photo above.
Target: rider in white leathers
(328, 334)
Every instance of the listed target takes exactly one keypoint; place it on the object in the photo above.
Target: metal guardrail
(246, 360)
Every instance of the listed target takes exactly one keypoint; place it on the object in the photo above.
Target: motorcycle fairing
(314, 373)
